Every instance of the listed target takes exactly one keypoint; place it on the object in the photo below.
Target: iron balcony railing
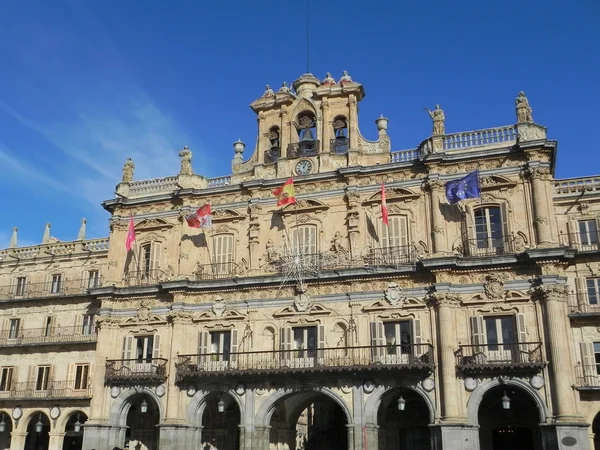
(584, 303)
(481, 247)
(64, 287)
(144, 277)
(339, 359)
(272, 155)
(51, 391)
(48, 336)
(339, 145)
(216, 271)
(303, 148)
(587, 376)
(522, 356)
(588, 241)
(390, 256)
(144, 370)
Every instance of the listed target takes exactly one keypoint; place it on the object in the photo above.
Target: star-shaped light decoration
(297, 264)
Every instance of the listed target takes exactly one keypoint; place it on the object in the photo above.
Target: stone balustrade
(570, 186)
(480, 138)
(405, 155)
(219, 181)
(154, 186)
(55, 249)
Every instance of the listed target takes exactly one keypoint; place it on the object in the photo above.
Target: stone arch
(374, 401)
(478, 394)
(195, 409)
(120, 408)
(65, 415)
(264, 413)
(24, 421)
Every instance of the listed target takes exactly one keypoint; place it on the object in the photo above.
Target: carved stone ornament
(219, 306)
(393, 294)
(302, 301)
(551, 292)
(493, 287)
(143, 311)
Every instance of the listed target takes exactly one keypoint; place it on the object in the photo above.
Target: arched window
(341, 143)
(274, 151)
(307, 145)
(223, 254)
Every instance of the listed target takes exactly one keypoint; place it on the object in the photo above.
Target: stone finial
(439, 128)
(186, 161)
(268, 91)
(81, 234)
(128, 169)
(46, 238)
(284, 89)
(523, 109)
(345, 78)
(13, 238)
(329, 80)
(238, 147)
(382, 124)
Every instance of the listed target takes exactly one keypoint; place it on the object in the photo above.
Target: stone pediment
(491, 182)
(393, 195)
(305, 206)
(229, 314)
(226, 215)
(312, 310)
(383, 305)
(153, 224)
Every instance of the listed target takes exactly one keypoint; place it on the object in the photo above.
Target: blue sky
(84, 84)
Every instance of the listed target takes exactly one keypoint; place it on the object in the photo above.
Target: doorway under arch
(509, 418)
(220, 423)
(38, 432)
(596, 431)
(308, 421)
(403, 419)
(142, 420)
(5, 430)
(74, 431)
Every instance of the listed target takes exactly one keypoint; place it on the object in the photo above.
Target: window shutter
(203, 342)
(32, 377)
(15, 377)
(78, 324)
(574, 237)
(89, 376)
(523, 350)
(418, 348)
(155, 255)
(377, 339)
(505, 220)
(234, 345)
(321, 341)
(285, 342)
(127, 347)
(477, 333)
(156, 347)
(71, 371)
(588, 360)
(53, 325)
(468, 231)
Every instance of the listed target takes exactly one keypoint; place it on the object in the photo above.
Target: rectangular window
(49, 326)
(223, 255)
(304, 239)
(56, 284)
(305, 342)
(6, 379)
(220, 345)
(488, 229)
(82, 375)
(597, 356)
(394, 241)
(593, 290)
(398, 337)
(93, 279)
(87, 324)
(21, 286)
(144, 346)
(588, 234)
(43, 378)
(149, 261)
(13, 328)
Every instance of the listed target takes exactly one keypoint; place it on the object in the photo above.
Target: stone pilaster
(327, 126)
(437, 196)
(371, 436)
(261, 438)
(254, 212)
(56, 440)
(350, 431)
(541, 208)
(353, 121)
(17, 440)
(179, 321)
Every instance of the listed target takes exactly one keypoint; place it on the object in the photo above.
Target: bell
(306, 135)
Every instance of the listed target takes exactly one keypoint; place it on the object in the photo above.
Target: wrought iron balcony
(519, 357)
(418, 357)
(272, 155)
(217, 271)
(48, 289)
(390, 256)
(145, 370)
(587, 377)
(584, 304)
(303, 148)
(48, 336)
(485, 247)
(145, 277)
(53, 390)
(582, 242)
(339, 145)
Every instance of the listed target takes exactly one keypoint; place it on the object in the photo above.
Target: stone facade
(314, 325)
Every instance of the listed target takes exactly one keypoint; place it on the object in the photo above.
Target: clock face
(304, 167)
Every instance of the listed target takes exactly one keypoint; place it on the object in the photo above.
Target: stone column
(17, 440)
(262, 437)
(371, 437)
(555, 302)
(350, 430)
(56, 440)
(542, 214)
(437, 190)
(447, 343)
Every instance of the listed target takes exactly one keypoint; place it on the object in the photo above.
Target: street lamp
(221, 406)
(2, 424)
(77, 427)
(505, 401)
(144, 407)
(39, 425)
(401, 404)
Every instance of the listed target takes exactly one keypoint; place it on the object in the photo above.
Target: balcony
(583, 304)
(55, 390)
(125, 371)
(339, 145)
(48, 289)
(48, 336)
(582, 242)
(410, 357)
(521, 357)
(390, 256)
(217, 271)
(485, 247)
(272, 155)
(303, 148)
(587, 377)
(145, 277)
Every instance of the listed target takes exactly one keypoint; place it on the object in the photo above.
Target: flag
(130, 240)
(463, 188)
(384, 210)
(285, 194)
(201, 218)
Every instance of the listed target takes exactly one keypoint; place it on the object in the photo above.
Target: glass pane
(509, 335)
(406, 336)
(491, 333)
(592, 291)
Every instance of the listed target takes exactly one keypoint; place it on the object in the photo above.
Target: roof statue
(186, 161)
(438, 120)
(284, 89)
(523, 109)
(268, 91)
(128, 169)
(345, 78)
(328, 79)
(81, 234)
(13, 238)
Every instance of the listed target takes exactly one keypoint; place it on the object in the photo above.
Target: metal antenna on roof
(307, 38)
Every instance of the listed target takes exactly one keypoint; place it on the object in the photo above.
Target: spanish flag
(285, 194)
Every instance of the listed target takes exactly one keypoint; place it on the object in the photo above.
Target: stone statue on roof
(284, 89)
(128, 169)
(328, 79)
(439, 128)
(523, 109)
(345, 78)
(186, 161)
(268, 91)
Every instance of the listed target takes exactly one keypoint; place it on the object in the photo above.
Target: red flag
(384, 210)
(130, 235)
(285, 194)
(202, 218)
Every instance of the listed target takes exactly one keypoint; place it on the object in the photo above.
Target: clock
(304, 167)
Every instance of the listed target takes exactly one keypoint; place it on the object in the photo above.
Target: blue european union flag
(465, 187)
